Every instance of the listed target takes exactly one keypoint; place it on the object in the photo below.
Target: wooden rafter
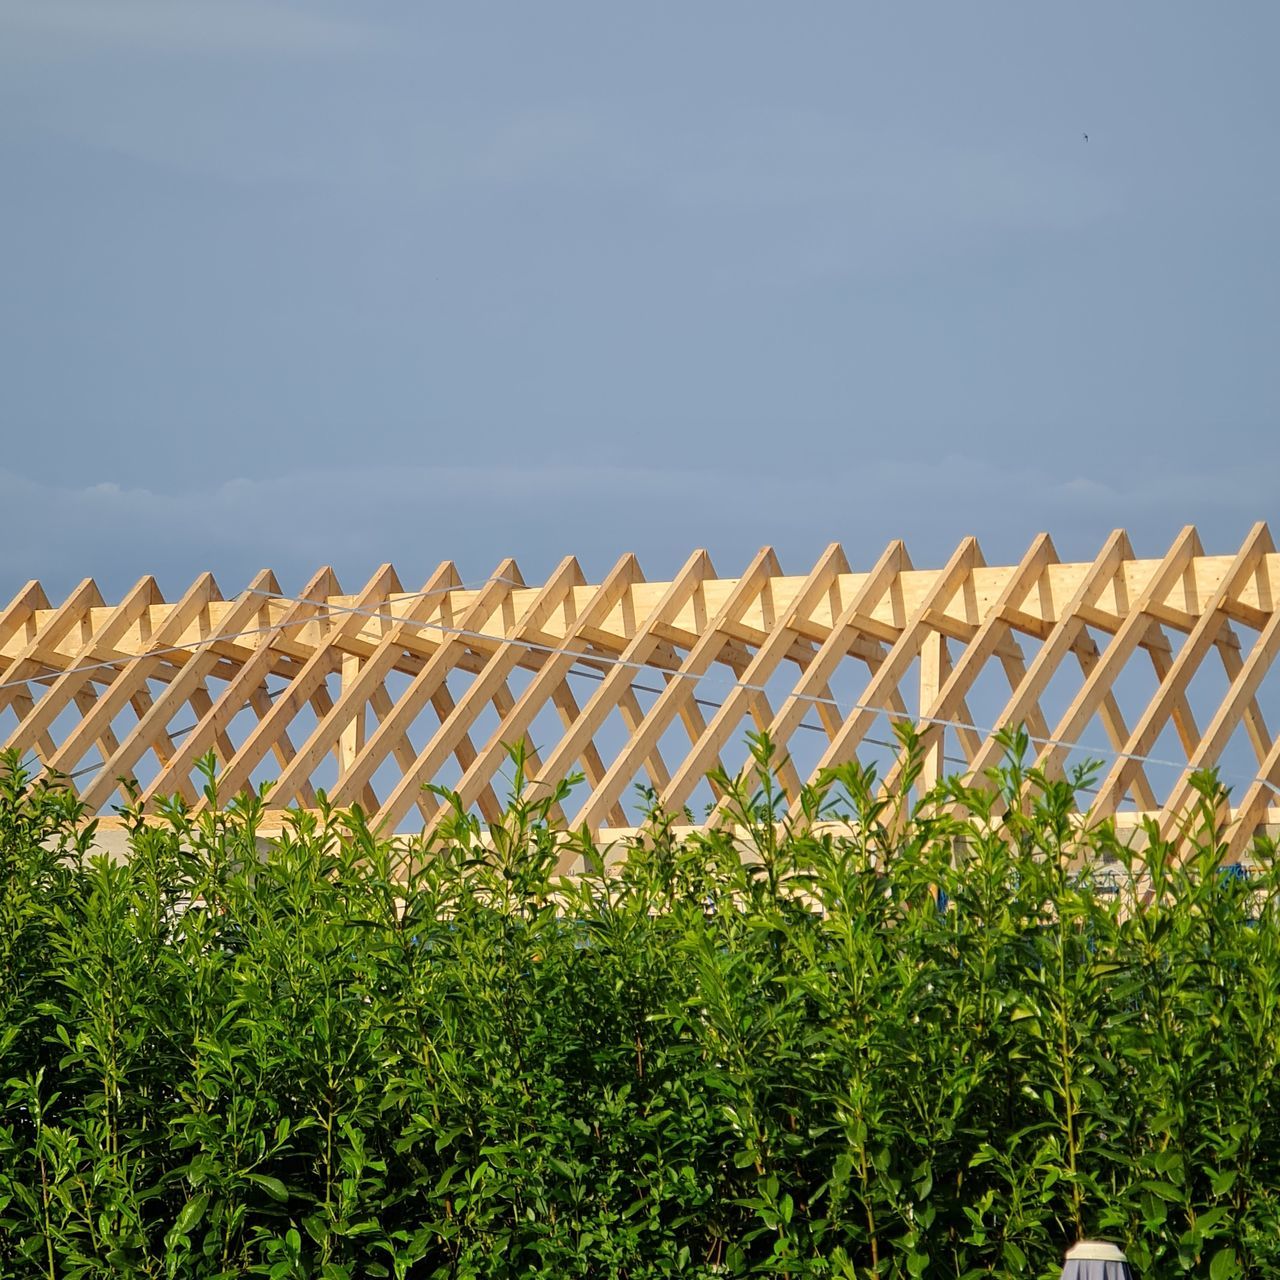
(376, 694)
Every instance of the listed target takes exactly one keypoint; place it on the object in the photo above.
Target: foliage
(922, 1043)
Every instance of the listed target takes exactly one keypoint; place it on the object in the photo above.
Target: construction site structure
(1156, 668)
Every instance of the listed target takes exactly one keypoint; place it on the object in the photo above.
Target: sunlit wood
(375, 694)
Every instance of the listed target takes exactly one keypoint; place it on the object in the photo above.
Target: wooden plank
(1254, 722)
(593, 767)
(632, 713)
(1171, 692)
(1228, 716)
(1183, 718)
(132, 676)
(1060, 641)
(141, 703)
(431, 678)
(935, 666)
(704, 754)
(106, 739)
(351, 739)
(34, 662)
(993, 634)
(1097, 689)
(151, 731)
(1252, 809)
(443, 705)
(1090, 659)
(19, 616)
(833, 650)
(36, 725)
(550, 684)
(325, 659)
(612, 691)
(948, 583)
(402, 751)
(482, 690)
(358, 693)
(677, 697)
(235, 697)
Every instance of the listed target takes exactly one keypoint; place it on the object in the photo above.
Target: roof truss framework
(374, 694)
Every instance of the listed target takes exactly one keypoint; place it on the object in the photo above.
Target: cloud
(360, 517)
(173, 26)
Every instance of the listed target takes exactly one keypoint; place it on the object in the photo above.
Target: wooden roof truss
(1157, 666)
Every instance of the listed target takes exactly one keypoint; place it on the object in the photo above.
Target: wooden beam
(31, 665)
(132, 676)
(448, 654)
(963, 561)
(453, 641)
(152, 728)
(612, 690)
(371, 677)
(705, 753)
(832, 651)
(482, 690)
(986, 641)
(678, 695)
(550, 683)
(1057, 644)
(1174, 684)
(235, 697)
(72, 682)
(322, 663)
(1097, 688)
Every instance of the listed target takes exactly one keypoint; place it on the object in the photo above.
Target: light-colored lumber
(186, 687)
(236, 696)
(486, 686)
(430, 679)
(303, 687)
(616, 685)
(130, 676)
(550, 683)
(651, 683)
(905, 649)
(705, 753)
(680, 690)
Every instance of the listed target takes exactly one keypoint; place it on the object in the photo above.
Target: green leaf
(272, 1186)
(1224, 1265)
(192, 1214)
(447, 1138)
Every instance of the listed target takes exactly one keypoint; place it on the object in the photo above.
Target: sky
(297, 284)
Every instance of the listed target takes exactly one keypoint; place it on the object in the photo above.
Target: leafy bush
(921, 1043)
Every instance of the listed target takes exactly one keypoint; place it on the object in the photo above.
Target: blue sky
(332, 283)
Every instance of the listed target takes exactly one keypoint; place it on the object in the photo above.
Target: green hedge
(923, 1047)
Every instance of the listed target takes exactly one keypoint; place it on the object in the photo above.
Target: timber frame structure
(374, 694)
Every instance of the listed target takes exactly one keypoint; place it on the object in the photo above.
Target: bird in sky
(1086, 137)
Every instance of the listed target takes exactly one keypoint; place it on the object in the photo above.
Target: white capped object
(1095, 1251)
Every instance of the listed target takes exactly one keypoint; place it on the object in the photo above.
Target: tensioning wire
(716, 706)
(467, 633)
(171, 735)
(578, 671)
(325, 610)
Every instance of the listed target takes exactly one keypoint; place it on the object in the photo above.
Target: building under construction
(1155, 668)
